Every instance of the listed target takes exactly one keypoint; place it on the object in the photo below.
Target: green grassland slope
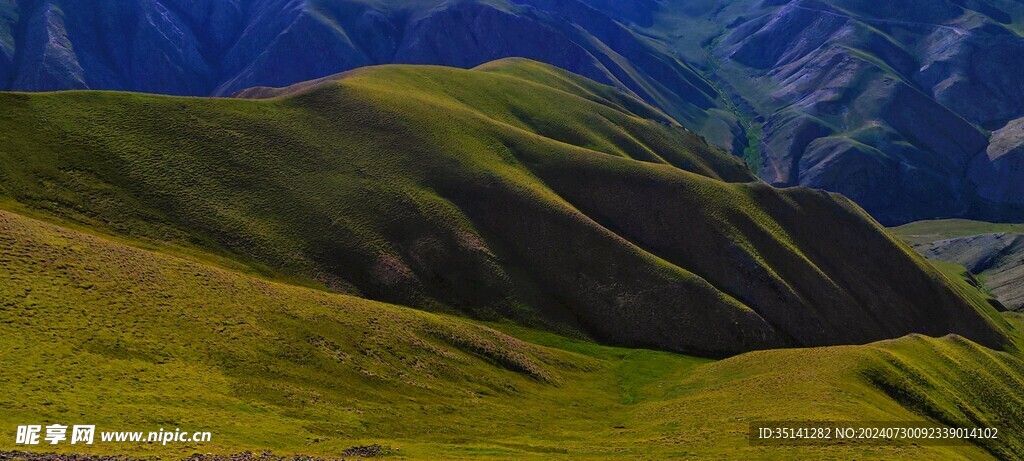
(944, 229)
(511, 191)
(94, 330)
(992, 252)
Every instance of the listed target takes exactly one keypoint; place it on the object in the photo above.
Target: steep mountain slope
(888, 103)
(997, 258)
(268, 366)
(515, 190)
(998, 173)
(993, 253)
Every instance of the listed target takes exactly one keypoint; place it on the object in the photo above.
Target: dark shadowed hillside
(515, 190)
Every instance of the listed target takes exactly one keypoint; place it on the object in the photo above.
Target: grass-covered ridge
(265, 365)
(511, 191)
(930, 231)
(992, 252)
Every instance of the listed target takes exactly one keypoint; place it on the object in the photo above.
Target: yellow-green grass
(94, 331)
(512, 191)
(930, 231)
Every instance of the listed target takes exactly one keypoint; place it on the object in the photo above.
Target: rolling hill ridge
(511, 229)
(993, 253)
(910, 110)
(270, 366)
(219, 47)
(514, 190)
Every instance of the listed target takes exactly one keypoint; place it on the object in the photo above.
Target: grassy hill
(218, 47)
(225, 265)
(93, 330)
(839, 95)
(942, 229)
(513, 191)
(993, 252)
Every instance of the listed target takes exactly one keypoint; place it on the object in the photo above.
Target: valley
(271, 366)
(510, 229)
(994, 253)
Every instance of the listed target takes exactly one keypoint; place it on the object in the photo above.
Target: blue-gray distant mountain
(913, 108)
(905, 106)
(218, 47)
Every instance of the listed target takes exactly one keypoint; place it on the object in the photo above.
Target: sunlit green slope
(511, 191)
(942, 229)
(96, 331)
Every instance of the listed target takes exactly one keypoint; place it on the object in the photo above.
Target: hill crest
(468, 191)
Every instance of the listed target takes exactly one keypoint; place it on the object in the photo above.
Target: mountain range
(992, 253)
(913, 109)
(505, 262)
(511, 229)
